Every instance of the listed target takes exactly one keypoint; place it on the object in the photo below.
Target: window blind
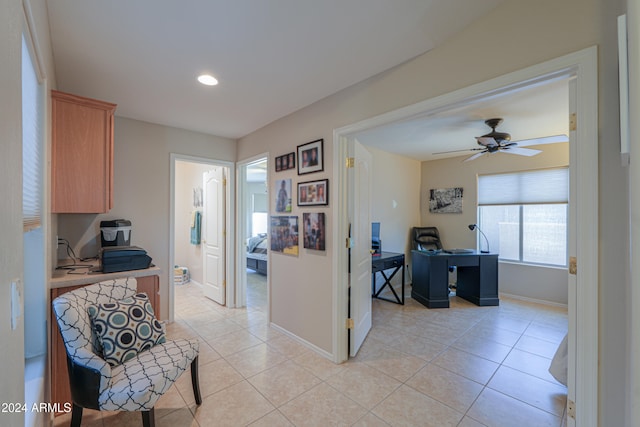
(32, 133)
(521, 188)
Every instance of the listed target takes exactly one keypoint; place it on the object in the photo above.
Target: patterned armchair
(133, 385)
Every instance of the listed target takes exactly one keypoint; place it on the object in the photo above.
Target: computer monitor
(376, 243)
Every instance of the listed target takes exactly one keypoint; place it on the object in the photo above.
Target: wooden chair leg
(149, 418)
(76, 415)
(195, 382)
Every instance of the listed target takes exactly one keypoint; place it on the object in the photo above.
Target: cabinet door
(150, 285)
(82, 154)
(60, 390)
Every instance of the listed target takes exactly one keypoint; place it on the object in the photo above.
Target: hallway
(466, 366)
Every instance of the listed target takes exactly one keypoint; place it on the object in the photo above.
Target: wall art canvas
(282, 191)
(314, 230)
(445, 200)
(284, 234)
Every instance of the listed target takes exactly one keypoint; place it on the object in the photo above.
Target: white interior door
(360, 277)
(213, 235)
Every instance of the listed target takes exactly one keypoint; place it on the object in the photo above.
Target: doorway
(253, 258)
(190, 220)
(581, 69)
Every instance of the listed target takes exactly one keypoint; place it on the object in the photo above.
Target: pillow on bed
(257, 244)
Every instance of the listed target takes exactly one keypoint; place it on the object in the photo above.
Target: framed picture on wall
(445, 200)
(286, 162)
(310, 157)
(313, 193)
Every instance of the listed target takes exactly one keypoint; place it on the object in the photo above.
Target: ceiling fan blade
(521, 151)
(542, 140)
(487, 141)
(457, 151)
(475, 156)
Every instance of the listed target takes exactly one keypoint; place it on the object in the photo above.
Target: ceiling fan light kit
(495, 141)
(494, 137)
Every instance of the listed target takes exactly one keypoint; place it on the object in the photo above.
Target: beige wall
(298, 292)
(549, 284)
(395, 202)
(12, 350)
(11, 249)
(515, 35)
(141, 190)
(187, 177)
(452, 172)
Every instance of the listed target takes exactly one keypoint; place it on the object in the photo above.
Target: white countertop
(82, 274)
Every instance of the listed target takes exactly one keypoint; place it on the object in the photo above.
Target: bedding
(257, 253)
(558, 367)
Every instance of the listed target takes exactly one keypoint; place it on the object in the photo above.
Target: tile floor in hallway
(463, 366)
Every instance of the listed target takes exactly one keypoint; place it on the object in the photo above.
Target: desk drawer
(386, 264)
(392, 263)
(465, 260)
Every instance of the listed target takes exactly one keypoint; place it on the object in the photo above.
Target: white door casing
(583, 288)
(213, 235)
(243, 217)
(360, 278)
(571, 248)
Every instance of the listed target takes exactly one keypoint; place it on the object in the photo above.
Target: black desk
(477, 278)
(380, 263)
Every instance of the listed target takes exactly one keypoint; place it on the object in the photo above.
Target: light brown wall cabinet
(82, 154)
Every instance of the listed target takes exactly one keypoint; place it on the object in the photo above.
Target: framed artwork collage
(286, 231)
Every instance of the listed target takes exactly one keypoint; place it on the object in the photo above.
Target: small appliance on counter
(115, 232)
(123, 258)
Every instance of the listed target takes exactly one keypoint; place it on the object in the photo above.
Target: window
(524, 215)
(259, 215)
(32, 136)
(259, 223)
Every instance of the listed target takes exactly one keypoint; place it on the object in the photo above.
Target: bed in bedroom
(558, 367)
(257, 253)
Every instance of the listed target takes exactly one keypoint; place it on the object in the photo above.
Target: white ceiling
(272, 57)
(534, 112)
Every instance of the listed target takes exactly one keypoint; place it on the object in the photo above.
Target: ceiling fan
(495, 141)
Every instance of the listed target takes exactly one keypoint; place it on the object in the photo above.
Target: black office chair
(426, 238)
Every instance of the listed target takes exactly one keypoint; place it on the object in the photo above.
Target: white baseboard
(534, 300)
(305, 343)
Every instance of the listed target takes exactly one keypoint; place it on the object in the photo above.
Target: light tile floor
(465, 366)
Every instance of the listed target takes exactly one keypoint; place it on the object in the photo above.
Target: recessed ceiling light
(208, 80)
